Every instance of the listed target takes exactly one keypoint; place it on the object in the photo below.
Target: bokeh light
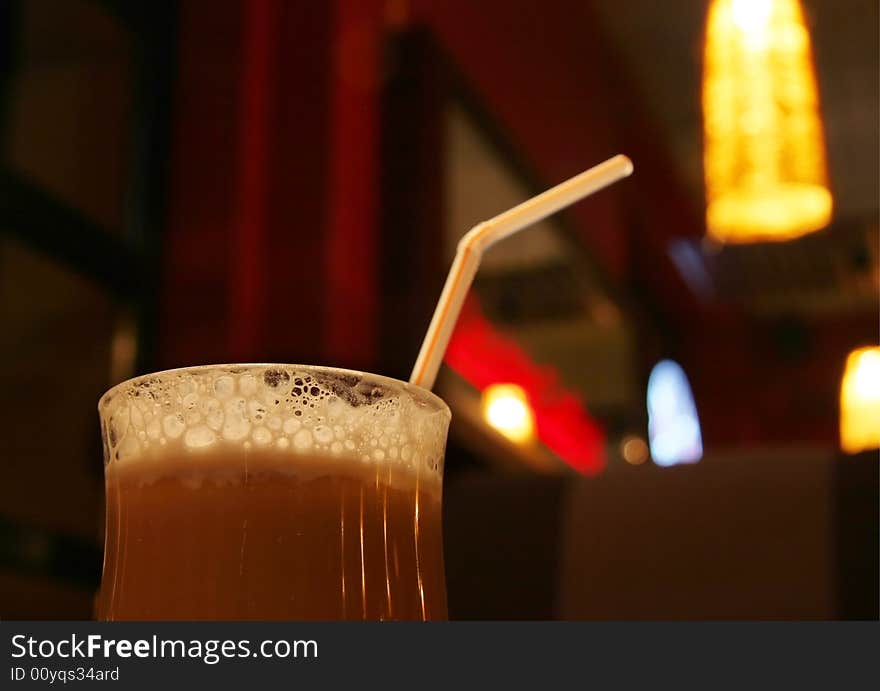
(673, 424)
(860, 401)
(506, 408)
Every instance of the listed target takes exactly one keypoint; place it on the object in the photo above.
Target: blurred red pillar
(271, 236)
(353, 239)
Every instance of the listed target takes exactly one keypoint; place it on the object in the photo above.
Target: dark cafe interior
(665, 398)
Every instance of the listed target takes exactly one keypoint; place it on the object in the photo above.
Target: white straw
(482, 236)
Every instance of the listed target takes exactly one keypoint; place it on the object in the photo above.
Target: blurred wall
(67, 122)
(746, 535)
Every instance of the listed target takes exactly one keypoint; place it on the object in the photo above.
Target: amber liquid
(263, 535)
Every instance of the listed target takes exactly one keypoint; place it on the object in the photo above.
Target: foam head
(295, 409)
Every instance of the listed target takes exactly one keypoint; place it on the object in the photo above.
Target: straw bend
(483, 235)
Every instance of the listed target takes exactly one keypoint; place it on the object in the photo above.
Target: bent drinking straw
(484, 235)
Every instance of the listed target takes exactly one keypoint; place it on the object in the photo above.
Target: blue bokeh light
(673, 425)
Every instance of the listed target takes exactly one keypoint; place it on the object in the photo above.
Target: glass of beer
(266, 492)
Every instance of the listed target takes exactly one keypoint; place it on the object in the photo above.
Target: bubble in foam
(291, 425)
(277, 380)
(392, 417)
(271, 400)
(118, 424)
(282, 443)
(185, 388)
(199, 437)
(406, 452)
(257, 412)
(379, 455)
(235, 427)
(213, 413)
(137, 418)
(247, 385)
(335, 408)
(323, 434)
(128, 447)
(273, 422)
(235, 424)
(302, 440)
(208, 404)
(236, 406)
(193, 417)
(190, 400)
(261, 436)
(173, 425)
(336, 447)
(224, 386)
(154, 429)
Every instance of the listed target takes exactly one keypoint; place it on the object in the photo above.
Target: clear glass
(258, 492)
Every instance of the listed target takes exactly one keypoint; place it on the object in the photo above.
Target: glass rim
(416, 391)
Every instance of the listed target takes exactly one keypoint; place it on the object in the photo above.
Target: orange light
(506, 408)
(764, 152)
(634, 450)
(860, 401)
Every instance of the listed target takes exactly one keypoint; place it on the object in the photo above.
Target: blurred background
(666, 400)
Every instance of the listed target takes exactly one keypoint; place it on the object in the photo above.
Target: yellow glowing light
(764, 152)
(506, 408)
(751, 16)
(860, 401)
(634, 450)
